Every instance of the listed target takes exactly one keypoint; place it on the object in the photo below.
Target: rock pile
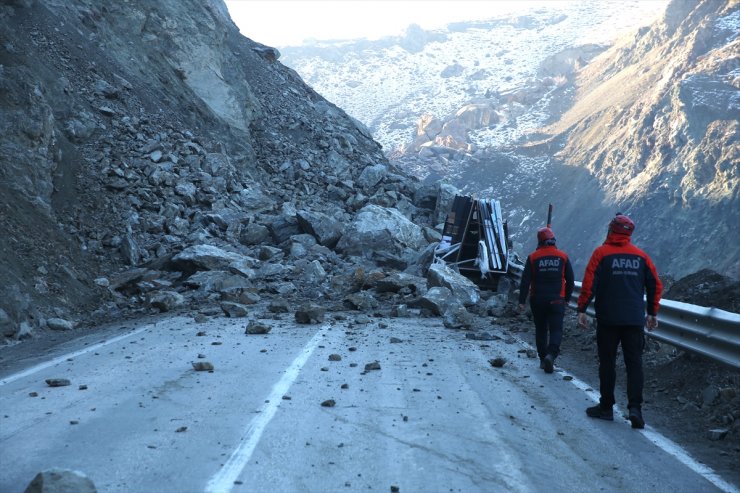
(136, 180)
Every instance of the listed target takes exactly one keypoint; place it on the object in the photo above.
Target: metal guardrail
(711, 332)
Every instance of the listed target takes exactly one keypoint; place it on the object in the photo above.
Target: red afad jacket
(547, 276)
(619, 275)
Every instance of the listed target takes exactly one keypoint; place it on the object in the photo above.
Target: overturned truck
(475, 242)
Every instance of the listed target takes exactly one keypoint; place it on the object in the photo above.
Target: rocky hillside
(547, 107)
(154, 158)
(655, 122)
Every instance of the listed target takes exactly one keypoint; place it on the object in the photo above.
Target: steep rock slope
(133, 130)
(656, 123)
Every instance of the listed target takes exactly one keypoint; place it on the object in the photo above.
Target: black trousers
(632, 339)
(548, 324)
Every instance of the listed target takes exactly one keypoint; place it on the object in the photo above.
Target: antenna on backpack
(549, 215)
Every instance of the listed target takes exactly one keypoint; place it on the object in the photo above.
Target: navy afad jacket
(547, 276)
(620, 275)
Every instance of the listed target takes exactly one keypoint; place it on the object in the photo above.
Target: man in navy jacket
(620, 275)
(548, 279)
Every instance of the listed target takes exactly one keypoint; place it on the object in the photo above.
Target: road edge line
(42, 366)
(223, 480)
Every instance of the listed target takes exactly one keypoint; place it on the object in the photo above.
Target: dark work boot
(548, 363)
(542, 363)
(635, 418)
(599, 412)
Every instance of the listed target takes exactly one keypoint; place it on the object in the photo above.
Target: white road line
(667, 445)
(223, 480)
(60, 359)
(663, 443)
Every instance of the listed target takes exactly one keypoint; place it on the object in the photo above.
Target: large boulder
(376, 228)
(437, 300)
(61, 481)
(457, 317)
(165, 301)
(371, 176)
(400, 282)
(462, 288)
(323, 227)
(205, 257)
(477, 115)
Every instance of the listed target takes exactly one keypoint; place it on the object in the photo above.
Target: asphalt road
(436, 416)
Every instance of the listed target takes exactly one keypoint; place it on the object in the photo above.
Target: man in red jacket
(619, 275)
(548, 279)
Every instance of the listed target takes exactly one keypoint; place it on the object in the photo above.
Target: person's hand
(651, 322)
(583, 320)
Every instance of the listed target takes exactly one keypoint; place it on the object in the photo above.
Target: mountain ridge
(590, 128)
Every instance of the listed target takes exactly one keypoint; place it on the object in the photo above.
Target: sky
(281, 23)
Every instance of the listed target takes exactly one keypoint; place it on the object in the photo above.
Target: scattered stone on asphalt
(82, 387)
(287, 397)
(201, 333)
(57, 382)
(201, 355)
(202, 366)
(335, 357)
(33, 394)
(372, 366)
(567, 378)
(255, 327)
(328, 403)
(181, 429)
(497, 362)
(345, 386)
(395, 340)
